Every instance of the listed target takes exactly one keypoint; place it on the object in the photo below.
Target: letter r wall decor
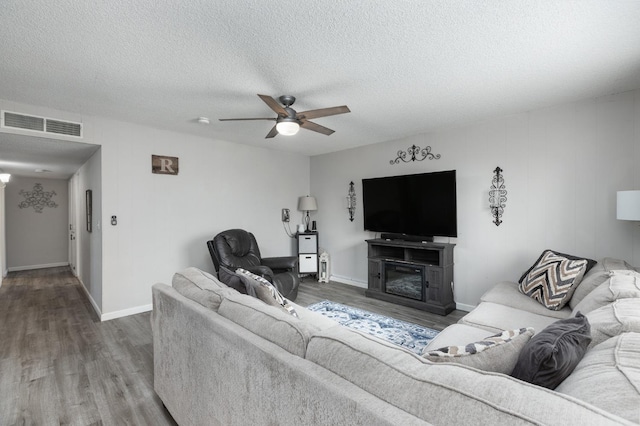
(163, 165)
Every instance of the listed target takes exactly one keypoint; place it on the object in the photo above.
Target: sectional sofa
(225, 358)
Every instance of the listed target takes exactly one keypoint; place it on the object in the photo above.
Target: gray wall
(36, 240)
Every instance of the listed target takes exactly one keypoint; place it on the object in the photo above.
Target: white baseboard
(116, 314)
(349, 281)
(465, 307)
(96, 308)
(30, 267)
(126, 312)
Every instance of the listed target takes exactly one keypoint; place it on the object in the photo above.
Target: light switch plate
(286, 215)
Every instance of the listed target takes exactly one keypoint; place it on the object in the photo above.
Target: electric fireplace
(405, 280)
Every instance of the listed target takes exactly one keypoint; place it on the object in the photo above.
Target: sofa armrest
(287, 263)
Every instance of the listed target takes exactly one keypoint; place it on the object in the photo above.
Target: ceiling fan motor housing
(287, 100)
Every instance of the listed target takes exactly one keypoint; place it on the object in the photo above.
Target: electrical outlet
(286, 215)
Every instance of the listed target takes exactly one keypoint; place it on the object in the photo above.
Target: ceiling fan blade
(244, 119)
(324, 112)
(272, 133)
(274, 105)
(316, 127)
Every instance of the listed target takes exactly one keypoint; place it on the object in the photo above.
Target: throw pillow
(613, 319)
(553, 278)
(622, 284)
(551, 355)
(262, 289)
(497, 353)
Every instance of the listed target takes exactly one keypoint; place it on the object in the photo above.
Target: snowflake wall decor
(38, 198)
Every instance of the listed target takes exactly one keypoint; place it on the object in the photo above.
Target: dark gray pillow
(551, 355)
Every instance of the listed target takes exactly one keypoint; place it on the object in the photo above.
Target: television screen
(421, 205)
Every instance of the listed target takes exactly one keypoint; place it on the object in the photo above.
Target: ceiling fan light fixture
(287, 127)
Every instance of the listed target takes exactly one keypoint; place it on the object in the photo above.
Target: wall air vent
(43, 125)
(64, 128)
(19, 121)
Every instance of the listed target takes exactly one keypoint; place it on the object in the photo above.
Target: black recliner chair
(237, 248)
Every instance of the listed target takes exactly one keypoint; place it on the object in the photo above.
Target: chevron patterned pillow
(553, 278)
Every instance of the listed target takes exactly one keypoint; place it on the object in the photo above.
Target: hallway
(60, 365)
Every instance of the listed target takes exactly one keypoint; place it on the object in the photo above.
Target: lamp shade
(307, 203)
(628, 205)
(4, 177)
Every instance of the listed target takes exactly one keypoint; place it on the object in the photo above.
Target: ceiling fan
(289, 121)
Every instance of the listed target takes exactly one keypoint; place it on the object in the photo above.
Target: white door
(73, 220)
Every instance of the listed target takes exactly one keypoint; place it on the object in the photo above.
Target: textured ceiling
(402, 67)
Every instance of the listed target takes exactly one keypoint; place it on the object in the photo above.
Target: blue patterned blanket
(410, 336)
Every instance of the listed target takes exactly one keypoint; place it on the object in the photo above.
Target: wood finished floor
(311, 292)
(59, 365)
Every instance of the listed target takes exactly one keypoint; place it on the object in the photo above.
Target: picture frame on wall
(89, 205)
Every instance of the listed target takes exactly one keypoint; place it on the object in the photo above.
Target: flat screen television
(417, 205)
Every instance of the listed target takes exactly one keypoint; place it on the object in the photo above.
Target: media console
(412, 273)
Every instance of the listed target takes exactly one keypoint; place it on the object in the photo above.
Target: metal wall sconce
(497, 196)
(351, 201)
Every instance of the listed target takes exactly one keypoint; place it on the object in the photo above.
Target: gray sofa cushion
(201, 287)
(271, 322)
(495, 317)
(551, 355)
(609, 377)
(620, 285)
(442, 393)
(613, 319)
(497, 353)
(507, 293)
(596, 276)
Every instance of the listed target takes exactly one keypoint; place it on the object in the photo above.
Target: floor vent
(12, 120)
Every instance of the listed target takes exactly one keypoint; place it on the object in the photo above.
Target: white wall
(3, 247)
(89, 244)
(36, 240)
(165, 221)
(562, 168)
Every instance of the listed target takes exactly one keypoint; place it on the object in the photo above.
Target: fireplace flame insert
(405, 280)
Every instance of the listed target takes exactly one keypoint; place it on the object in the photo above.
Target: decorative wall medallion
(351, 201)
(163, 165)
(38, 198)
(412, 151)
(497, 196)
